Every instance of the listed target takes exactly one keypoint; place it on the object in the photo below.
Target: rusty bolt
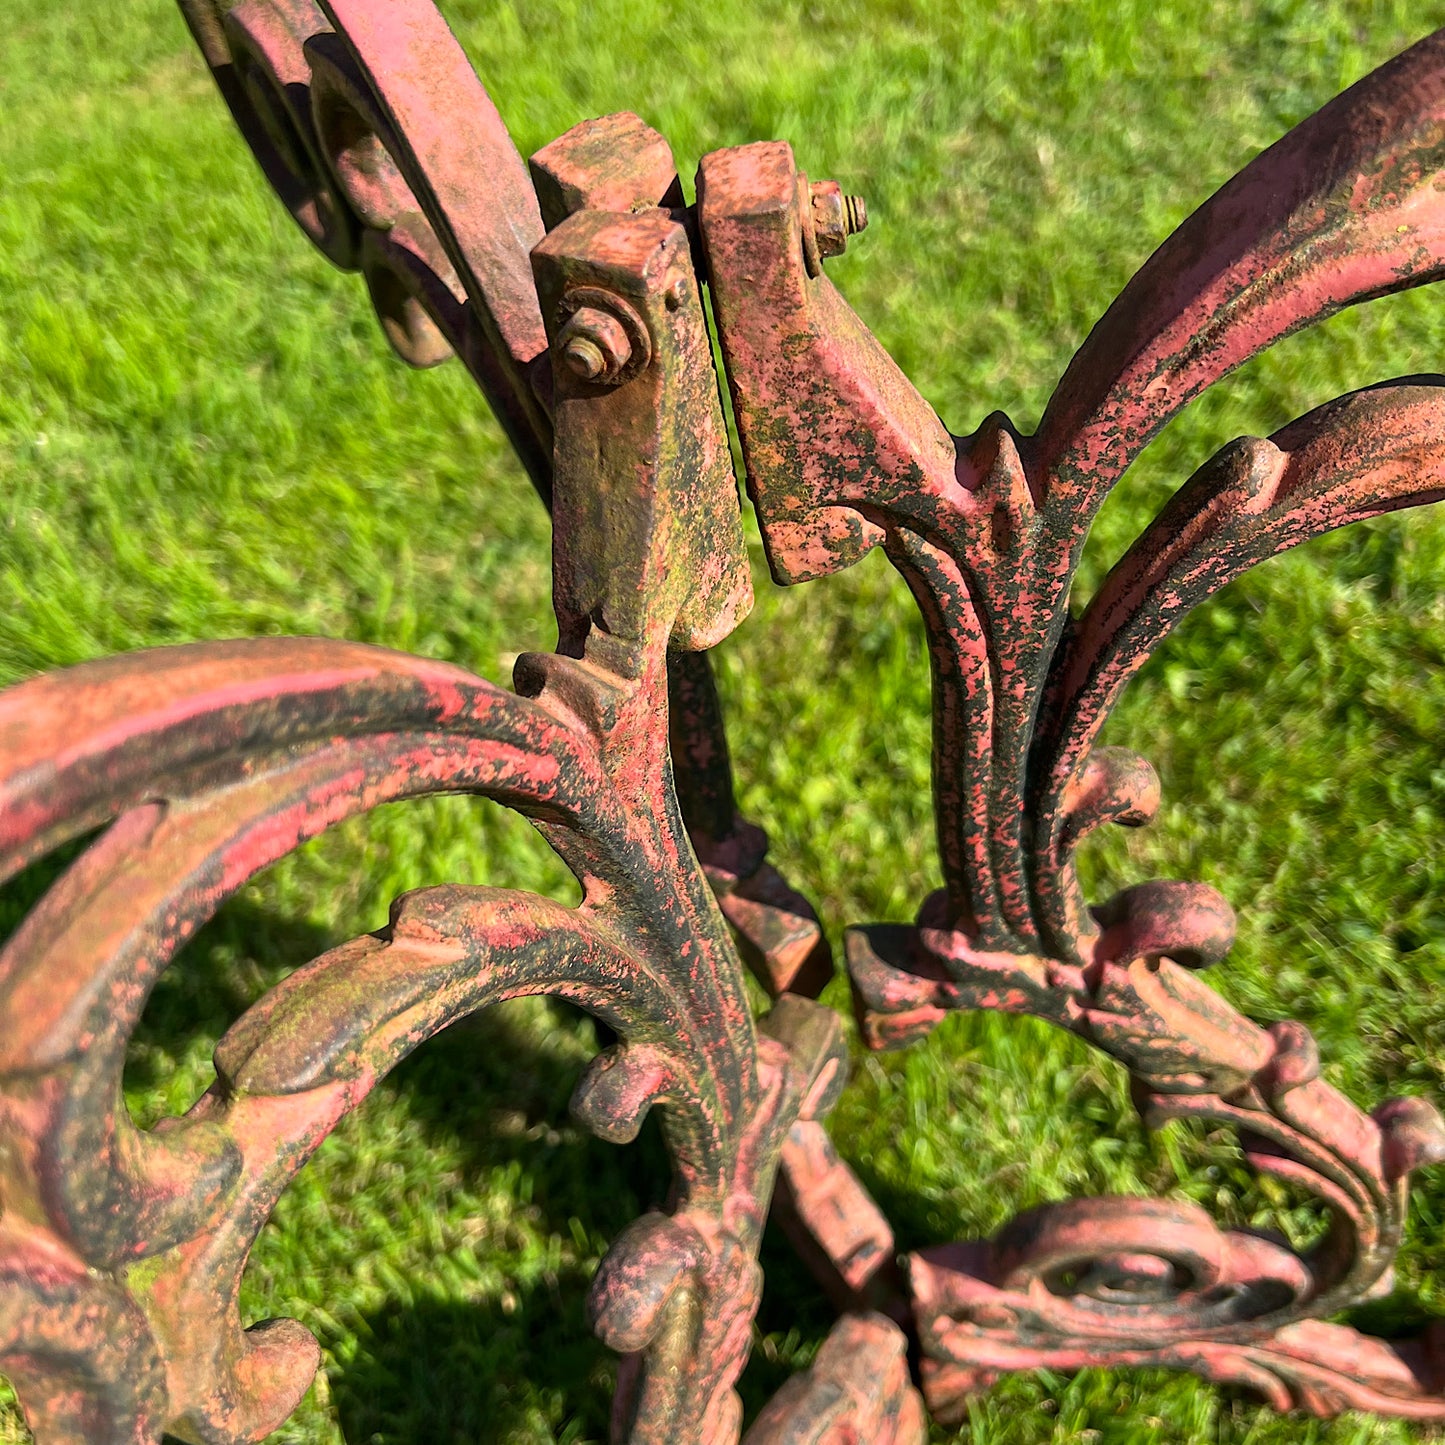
(829, 218)
(600, 337)
(595, 345)
(835, 217)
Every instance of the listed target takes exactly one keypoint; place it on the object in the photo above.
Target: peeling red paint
(574, 298)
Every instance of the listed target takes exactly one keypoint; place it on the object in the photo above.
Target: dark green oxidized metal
(575, 298)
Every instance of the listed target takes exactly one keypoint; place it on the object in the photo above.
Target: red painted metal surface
(573, 291)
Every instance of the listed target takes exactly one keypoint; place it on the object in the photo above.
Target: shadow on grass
(452, 1370)
(244, 950)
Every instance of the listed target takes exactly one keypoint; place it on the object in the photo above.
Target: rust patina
(582, 293)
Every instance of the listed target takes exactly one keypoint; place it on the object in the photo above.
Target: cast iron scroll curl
(1345, 208)
(123, 1249)
(843, 455)
(214, 761)
(439, 218)
(386, 149)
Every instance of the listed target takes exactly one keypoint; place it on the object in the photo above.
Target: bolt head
(594, 345)
(832, 217)
(584, 358)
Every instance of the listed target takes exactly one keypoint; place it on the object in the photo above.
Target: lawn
(205, 436)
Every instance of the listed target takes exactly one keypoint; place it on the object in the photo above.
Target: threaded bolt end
(584, 358)
(595, 346)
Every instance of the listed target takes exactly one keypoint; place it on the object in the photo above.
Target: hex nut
(828, 218)
(595, 345)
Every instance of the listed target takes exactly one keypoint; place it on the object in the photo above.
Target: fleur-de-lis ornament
(580, 292)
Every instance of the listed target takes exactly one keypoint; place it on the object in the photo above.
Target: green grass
(204, 436)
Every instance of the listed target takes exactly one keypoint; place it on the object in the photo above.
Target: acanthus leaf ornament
(578, 294)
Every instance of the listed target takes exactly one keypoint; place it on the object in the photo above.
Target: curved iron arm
(572, 291)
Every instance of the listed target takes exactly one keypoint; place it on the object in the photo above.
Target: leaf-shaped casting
(1363, 455)
(572, 294)
(214, 761)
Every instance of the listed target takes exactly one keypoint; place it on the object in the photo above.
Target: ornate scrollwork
(124, 1248)
(842, 455)
(573, 294)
